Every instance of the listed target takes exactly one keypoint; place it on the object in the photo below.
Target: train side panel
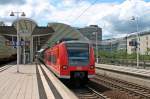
(63, 56)
(52, 59)
(91, 70)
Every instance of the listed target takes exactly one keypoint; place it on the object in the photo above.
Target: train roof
(74, 41)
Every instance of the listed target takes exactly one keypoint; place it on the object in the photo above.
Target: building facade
(123, 44)
(90, 32)
(115, 44)
(144, 43)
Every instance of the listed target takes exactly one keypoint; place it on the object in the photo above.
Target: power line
(72, 11)
(80, 15)
(84, 11)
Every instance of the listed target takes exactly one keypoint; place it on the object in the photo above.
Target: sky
(113, 16)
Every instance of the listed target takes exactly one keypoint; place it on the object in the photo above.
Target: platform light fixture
(17, 26)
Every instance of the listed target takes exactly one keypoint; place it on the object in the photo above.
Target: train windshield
(78, 54)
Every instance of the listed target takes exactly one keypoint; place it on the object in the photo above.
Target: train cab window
(78, 55)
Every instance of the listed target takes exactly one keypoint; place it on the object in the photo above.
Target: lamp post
(137, 37)
(96, 45)
(17, 26)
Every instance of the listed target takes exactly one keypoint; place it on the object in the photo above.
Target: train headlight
(64, 67)
(92, 67)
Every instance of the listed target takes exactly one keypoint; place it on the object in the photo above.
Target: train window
(83, 54)
(78, 57)
(49, 58)
(53, 59)
(77, 45)
(78, 54)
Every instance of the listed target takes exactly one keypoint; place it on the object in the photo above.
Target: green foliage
(148, 51)
(121, 54)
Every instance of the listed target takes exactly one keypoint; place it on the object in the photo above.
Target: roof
(7, 30)
(63, 31)
(38, 31)
(42, 31)
(25, 26)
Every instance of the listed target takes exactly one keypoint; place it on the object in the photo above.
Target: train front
(80, 60)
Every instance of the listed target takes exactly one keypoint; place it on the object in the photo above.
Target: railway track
(88, 92)
(133, 89)
(6, 66)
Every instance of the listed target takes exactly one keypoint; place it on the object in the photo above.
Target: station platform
(129, 70)
(34, 81)
(22, 85)
(130, 74)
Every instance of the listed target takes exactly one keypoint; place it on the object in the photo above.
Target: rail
(131, 88)
(126, 62)
(88, 92)
(6, 66)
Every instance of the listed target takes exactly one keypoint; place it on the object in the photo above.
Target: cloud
(36, 10)
(4, 2)
(120, 21)
(113, 17)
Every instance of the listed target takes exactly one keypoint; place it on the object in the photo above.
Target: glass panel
(52, 59)
(78, 54)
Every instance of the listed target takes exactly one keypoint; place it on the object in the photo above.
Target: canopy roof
(64, 31)
(26, 26)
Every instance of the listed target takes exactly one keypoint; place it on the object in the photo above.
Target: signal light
(64, 67)
(92, 67)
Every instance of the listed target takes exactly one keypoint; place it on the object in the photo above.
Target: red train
(71, 59)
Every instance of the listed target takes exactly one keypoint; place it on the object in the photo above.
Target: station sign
(14, 43)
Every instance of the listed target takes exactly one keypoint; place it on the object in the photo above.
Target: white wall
(144, 41)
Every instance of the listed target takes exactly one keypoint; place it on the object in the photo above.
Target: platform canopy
(26, 26)
(63, 31)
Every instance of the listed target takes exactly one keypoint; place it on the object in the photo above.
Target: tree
(148, 51)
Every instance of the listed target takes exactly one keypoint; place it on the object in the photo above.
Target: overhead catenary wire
(81, 13)
(84, 11)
